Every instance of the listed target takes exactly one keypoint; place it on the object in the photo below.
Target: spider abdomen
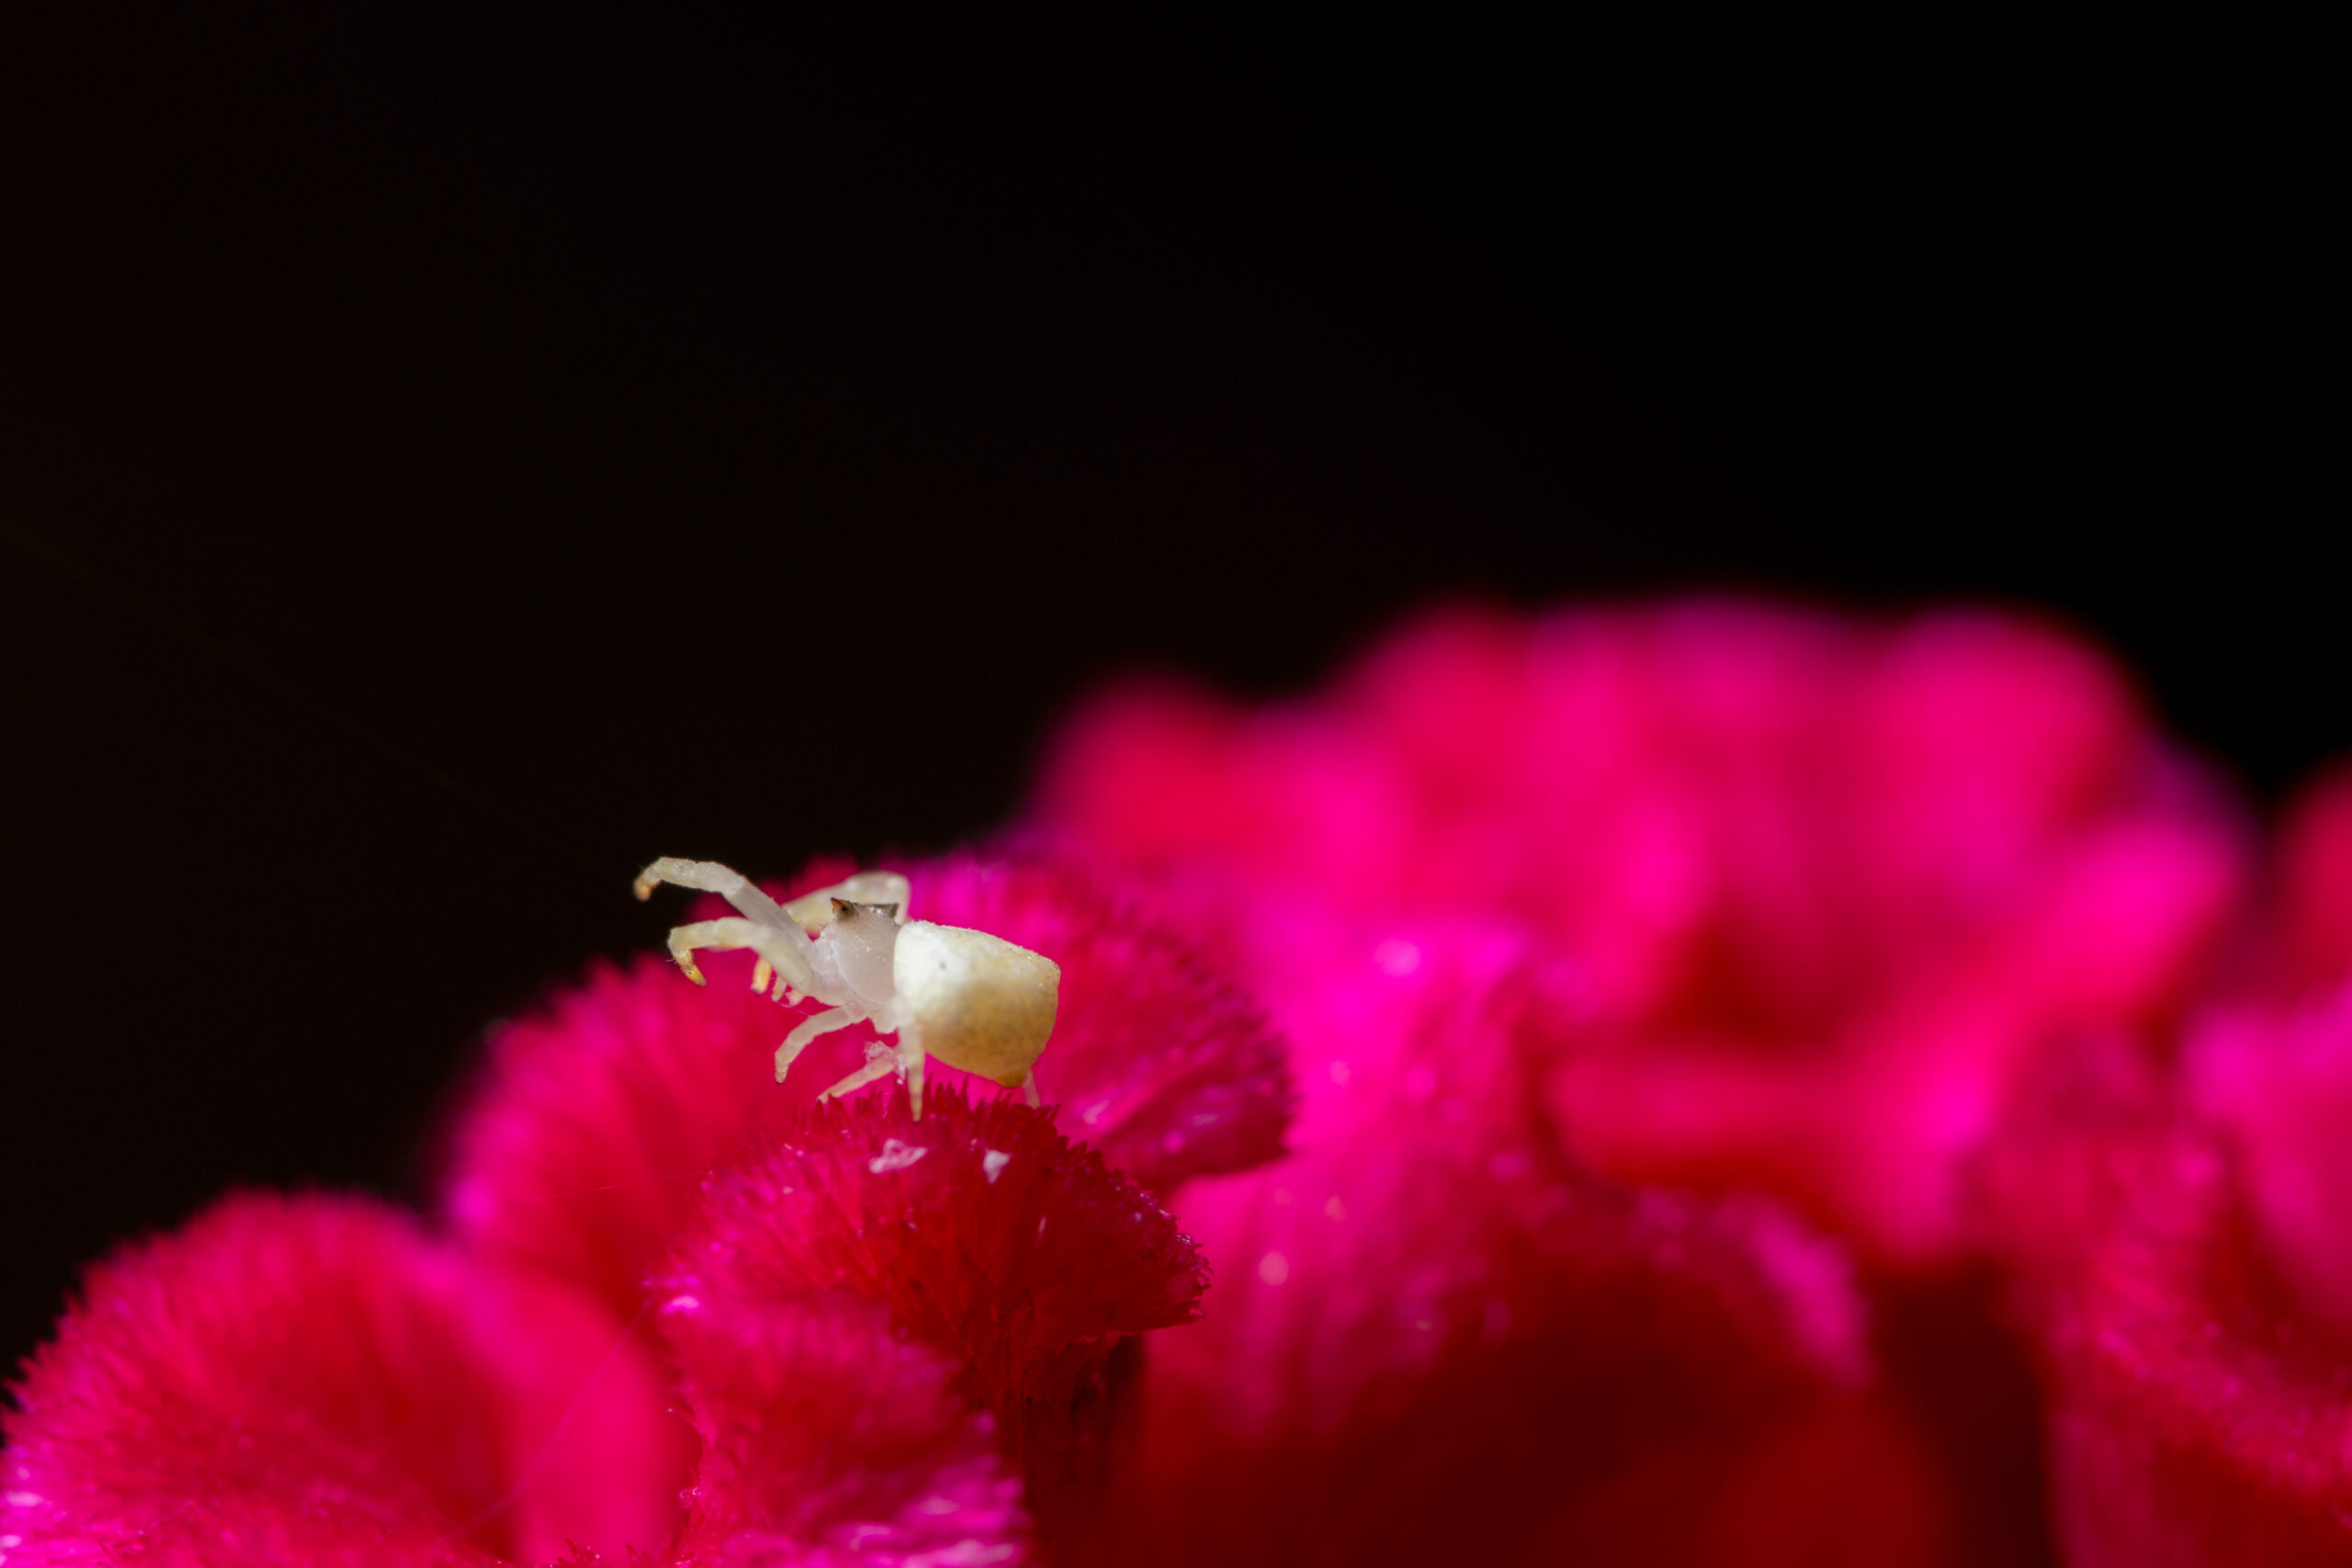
(975, 1001)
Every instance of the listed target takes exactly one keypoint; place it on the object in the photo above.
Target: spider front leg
(882, 1062)
(786, 950)
(798, 1040)
(709, 876)
(904, 1059)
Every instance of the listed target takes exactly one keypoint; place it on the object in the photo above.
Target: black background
(449, 460)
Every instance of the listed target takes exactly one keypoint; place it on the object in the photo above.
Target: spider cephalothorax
(975, 1002)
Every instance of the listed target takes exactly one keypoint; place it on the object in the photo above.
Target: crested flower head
(1022, 1261)
(315, 1380)
(1811, 888)
(1432, 1333)
(2183, 1238)
(1538, 1099)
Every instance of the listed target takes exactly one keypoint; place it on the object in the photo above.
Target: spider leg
(911, 1059)
(786, 950)
(882, 1064)
(709, 876)
(1029, 1092)
(809, 1028)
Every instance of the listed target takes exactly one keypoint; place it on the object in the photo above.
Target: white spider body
(975, 1002)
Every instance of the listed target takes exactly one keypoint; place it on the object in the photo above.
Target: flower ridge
(981, 1233)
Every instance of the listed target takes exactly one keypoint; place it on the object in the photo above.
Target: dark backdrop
(447, 460)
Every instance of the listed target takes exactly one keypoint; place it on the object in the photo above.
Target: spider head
(863, 939)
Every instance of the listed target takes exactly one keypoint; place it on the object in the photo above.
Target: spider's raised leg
(911, 1061)
(810, 1027)
(709, 876)
(786, 949)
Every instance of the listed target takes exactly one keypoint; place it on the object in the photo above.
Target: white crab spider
(975, 1002)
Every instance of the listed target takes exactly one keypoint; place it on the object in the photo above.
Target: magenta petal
(2198, 1420)
(1875, 1130)
(2316, 859)
(2197, 1301)
(2281, 1087)
(1818, 886)
(2201, 1416)
(311, 1380)
(1433, 1340)
(981, 1233)
(1408, 1361)
(593, 1126)
(829, 1438)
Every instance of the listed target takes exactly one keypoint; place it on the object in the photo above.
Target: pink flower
(682, 1312)
(2187, 1240)
(1434, 1338)
(870, 1338)
(1484, 1025)
(2313, 941)
(887, 1335)
(314, 1380)
(1019, 1262)
(1809, 889)
(2200, 1408)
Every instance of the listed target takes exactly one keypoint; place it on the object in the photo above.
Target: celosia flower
(313, 1379)
(895, 1341)
(1434, 1338)
(2311, 942)
(881, 1329)
(1811, 889)
(1017, 1260)
(1398, 1001)
(2186, 1244)
(1726, 1333)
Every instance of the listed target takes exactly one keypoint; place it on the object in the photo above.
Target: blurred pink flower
(1810, 888)
(2312, 939)
(1019, 1261)
(2187, 1240)
(1434, 1338)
